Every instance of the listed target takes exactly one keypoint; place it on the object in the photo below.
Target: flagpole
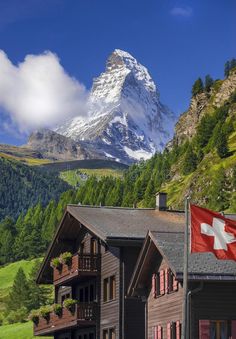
(185, 321)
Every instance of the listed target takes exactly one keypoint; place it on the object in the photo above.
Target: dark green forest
(22, 186)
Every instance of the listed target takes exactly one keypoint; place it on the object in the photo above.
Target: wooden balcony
(84, 315)
(81, 266)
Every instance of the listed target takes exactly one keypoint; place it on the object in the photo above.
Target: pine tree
(6, 251)
(218, 193)
(19, 293)
(228, 66)
(38, 295)
(149, 196)
(205, 130)
(227, 69)
(208, 83)
(197, 87)
(222, 144)
(190, 161)
(7, 235)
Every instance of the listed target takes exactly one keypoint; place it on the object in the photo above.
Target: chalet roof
(171, 245)
(113, 222)
(113, 225)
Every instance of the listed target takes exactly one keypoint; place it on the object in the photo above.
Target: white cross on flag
(211, 232)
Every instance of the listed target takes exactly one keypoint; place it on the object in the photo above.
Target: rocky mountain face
(126, 120)
(201, 104)
(56, 146)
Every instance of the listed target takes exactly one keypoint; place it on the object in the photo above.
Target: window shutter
(204, 329)
(175, 284)
(167, 280)
(168, 331)
(155, 333)
(159, 332)
(162, 282)
(178, 330)
(154, 285)
(233, 329)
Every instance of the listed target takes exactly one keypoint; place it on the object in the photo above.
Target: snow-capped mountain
(126, 120)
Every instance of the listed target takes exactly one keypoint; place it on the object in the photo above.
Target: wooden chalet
(105, 243)
(158, 278)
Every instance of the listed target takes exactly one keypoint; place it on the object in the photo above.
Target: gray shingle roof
(111, 222)
(172, 246)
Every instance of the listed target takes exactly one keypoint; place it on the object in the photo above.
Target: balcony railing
(81, 265)
(84, 315)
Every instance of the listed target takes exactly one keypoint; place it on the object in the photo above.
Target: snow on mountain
(126, 119)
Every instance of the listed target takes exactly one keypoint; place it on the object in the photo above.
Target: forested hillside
(23, 186)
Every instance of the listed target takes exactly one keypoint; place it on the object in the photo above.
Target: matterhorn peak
(126, 120)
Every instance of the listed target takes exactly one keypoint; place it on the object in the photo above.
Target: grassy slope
(18, 331)
(8, 272)
(21, 154)
(200, 180)
(7, 275)
(73, 177)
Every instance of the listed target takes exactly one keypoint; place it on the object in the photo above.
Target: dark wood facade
(212, 310)
(93, 264)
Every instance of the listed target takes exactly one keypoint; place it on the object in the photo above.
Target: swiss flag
(211, 232)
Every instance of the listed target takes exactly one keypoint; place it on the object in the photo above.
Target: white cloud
(38, 92)
(182, 11)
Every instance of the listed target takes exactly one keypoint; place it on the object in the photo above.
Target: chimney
(161, 201)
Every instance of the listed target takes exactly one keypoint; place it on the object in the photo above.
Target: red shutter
(178, 330)
(175, 284)
(233, 329)
(154, 285)
(159, 332)
(168, 331)
(167, 280)
(155, 333)
(162, 282)
(204, 329)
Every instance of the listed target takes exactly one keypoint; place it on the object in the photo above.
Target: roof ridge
(113, 207)
(167, 232)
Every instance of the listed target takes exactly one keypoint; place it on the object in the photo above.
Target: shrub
(55, 263)
(17, 316)
(57, 309)
(66, 258)
(45, 311)
(34, 316)
(69, 304)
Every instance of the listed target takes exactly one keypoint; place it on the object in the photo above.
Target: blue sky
(177, 41)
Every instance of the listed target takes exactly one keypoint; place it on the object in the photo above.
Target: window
(91, 294)
(93, 246)
(112, 287)
(106, 289)
(109, 288)
(81, 248)
(158, 332)
(65, 296)
(158, 284)
(81, 294)
(163, 282)
(217, 329)
(86, 335)
(174, 330)
(109, 333)
(87, 293)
